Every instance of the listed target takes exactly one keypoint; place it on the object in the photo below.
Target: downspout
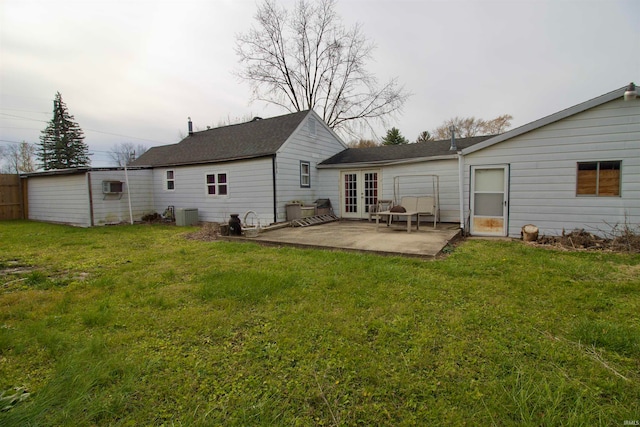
(461, 189)
(273, 180)
(90, 199)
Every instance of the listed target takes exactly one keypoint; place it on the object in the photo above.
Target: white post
(126, 178)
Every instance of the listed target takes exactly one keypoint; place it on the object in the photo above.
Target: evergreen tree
(394, 137)
(62, 142)
(424, 136)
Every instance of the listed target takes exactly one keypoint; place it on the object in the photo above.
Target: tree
(20, 157)
(394, 137)
(424, 136)
(125, 153)
(470, 126)
(62, 142)
(363, 143)
(307, 59)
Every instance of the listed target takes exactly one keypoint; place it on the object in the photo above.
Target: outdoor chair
(381, 206)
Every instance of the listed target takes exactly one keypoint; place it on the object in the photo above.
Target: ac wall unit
(112, 187)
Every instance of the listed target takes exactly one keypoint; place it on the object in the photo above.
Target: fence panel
(10, 197)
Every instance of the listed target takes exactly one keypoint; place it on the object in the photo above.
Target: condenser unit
(186, 217)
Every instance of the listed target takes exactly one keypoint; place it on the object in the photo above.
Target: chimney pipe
(190, 126)
(453, 139)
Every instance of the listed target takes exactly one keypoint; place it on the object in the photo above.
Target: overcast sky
(133, 71)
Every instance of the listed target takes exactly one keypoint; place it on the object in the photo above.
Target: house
(259, 166)
(577, 168)
(364, 175)
(86, 197)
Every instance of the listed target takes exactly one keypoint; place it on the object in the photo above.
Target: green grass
(136, 325)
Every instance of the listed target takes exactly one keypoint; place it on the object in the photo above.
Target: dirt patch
(208, 232)
(625, 241)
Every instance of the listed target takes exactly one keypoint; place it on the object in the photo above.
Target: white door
(489, 200)
(359, 192)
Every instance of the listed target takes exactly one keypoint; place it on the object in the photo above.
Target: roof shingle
(257, 138)
(391, 153)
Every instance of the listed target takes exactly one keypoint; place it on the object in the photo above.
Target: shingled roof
(257, 138)
(387, 154)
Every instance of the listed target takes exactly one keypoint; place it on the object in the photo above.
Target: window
(599, 179)
(305, 174)
(217, 184)
(171, 182)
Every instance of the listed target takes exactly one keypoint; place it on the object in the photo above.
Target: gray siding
(59, 199)
(543, 173)
(249, 188)
(114, 208)
(303, 146)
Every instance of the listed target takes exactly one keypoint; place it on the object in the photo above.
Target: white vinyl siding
(447, 172)
(302, 146)
(114, 208)
(543, 178)
(249, 187)
(60, 199)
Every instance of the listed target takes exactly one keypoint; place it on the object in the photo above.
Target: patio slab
(365, 237)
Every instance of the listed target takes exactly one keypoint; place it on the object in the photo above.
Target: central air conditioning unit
(112, 187)
(186, 217)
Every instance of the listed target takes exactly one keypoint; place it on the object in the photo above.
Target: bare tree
(125, 153)
(362, 143)
(466, 127)
(307, 59)
(19, 157)
(498, 125)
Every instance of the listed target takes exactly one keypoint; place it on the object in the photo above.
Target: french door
(359, 191)
(489, 200)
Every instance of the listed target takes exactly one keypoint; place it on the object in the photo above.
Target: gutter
(275, 196)
(387, 162)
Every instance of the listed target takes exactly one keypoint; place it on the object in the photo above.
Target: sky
(134, 70)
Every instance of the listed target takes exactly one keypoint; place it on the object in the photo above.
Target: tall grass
(137, 325)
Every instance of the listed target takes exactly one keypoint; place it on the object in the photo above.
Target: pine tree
(62, 142)
(394, 137)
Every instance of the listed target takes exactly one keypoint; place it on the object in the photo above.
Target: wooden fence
(11, 200)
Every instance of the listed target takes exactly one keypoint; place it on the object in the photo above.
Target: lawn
(137, 325)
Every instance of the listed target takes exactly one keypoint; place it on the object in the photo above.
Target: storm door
(489, 200)
(359, 192)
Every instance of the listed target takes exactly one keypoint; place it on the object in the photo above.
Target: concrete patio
(364, 236)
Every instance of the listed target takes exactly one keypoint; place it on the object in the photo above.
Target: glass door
(359, 192)
(489, 200)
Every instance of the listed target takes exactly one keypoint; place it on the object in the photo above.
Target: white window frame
(171, 180)
(305, 176)
(216, 185)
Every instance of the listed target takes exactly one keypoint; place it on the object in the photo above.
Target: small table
(389, 214)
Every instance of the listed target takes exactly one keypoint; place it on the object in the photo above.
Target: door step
(314, 220)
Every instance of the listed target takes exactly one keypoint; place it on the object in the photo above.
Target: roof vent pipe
(631, 92)
(453, 139)
(190, 126)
